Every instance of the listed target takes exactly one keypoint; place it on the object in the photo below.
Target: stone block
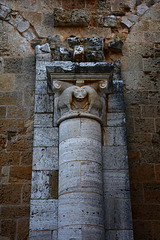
(75, 41)
(151, 193)
(62, 17)
(114, 136)
(116, 183)
(125, 5)
(29, 35)
(7, 82)
(144, 125)
(23, 228)
(142, 8)
(118, 214)
(81, 17)
(43, 103)
(43, 57)
(43, 120)
(15, 18)
(4, 11)
(146, 212)
(65, 54)
(10, 98)
(78, 54)
(40, 185)
(70, 128)
(23, 26)
(150, 156)
(15, 211)
(143, 229)
(2, 112)
(94, 56)
(69, 177)
(82, 67)
(90, 232)
(89, 209)
(90, 129)
(120, 234)
(126, 22)
(11, 194)
(8, 229)
(110, 21)
(40, 235)
(94, 44)
(84, 149)
(54, 41)
(70, 232)
(43, 214)
(133, 18)
(91, 177)
(116, 119)
(148, 65)
(47, 20)
(115, 157)
(41, 74)
(20, 173)
(13, 65)
(45, 137)
(115, 46)
(142, 173)
(137, 97)
(115, 103)
(42, 49)
(18, 112)
(98, 20)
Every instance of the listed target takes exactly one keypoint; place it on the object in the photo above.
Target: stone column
(80, 207)
(78, 112)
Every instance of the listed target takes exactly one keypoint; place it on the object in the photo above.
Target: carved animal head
(80, 93)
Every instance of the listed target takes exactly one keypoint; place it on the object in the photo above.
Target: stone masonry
(96, 193)
(125, 30)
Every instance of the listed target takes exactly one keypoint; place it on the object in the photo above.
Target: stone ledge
(86, 67)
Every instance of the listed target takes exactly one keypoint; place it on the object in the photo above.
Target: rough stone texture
(4, 12)
(127, 22)
(141, 103)
(110, 21)
(141, 89)
(43, 214)
(17, 78)
(44, 192)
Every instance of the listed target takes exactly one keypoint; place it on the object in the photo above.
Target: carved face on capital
(80, 93)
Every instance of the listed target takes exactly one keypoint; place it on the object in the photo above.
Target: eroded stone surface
(89, 210)
(43, 214)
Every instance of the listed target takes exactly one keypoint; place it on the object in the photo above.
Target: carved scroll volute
(56, 86)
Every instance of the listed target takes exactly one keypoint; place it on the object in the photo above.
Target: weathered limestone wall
(141, 72)
(17, 80)
(17, 69)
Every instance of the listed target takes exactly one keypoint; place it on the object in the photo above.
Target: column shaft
(80, 210)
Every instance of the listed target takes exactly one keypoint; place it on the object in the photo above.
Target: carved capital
(80, 89)
(79, 97)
